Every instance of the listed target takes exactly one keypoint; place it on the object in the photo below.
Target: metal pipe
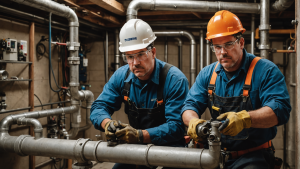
(106, 57)
(14, 110)
(193, 6)
(166, 49)
(117, 52)
(281, 5)
(201, 50)
(283, 51)
(190, 36)
(207, 52)
(38, 129)
(252, 33)
(275, 31)
(179, 53)
(297, 44)
(89, 97)
(264, 28)
(177, 23)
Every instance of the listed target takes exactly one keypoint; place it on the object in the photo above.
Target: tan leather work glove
(109, 131)
(128, 134)
(192, 130)
(237, 122)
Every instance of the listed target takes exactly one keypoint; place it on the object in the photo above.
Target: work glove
(192, 130)
(110, 129)
(128, 134)
(237, 122)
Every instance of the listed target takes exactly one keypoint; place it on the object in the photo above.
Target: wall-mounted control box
(11, 50)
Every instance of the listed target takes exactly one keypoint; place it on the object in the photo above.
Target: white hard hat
(135, 34)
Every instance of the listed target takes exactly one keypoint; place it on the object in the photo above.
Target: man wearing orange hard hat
(247, 93)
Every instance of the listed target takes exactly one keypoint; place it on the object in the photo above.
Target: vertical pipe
(201, 50)
(264, 28)
(180, 55)
(166, 49)
(207, 53)
(297, 44)
(252, 33)
(31, 84)
(117, 52)
(193, 62)
(106, 58)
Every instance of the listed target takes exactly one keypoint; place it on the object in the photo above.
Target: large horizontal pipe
(84, 150)
(191, 37)
(193, 6)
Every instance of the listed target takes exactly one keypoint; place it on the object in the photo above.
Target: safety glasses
(141, 56)
(226, 46)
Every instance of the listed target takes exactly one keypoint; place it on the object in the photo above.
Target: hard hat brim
(225, 34)
(135, 47)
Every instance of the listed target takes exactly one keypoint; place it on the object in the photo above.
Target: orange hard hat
(223, 23)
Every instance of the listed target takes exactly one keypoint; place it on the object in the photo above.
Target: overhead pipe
(207, 52)
(192, 6)
(297, 45)
(252, 33)
(281, 5)
(179, 53)
(275, 31)
(166, 50)
(193, 48)
(201, 50)
(117, 52)
(264, 28)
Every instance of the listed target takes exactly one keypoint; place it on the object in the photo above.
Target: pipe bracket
(78, 150)
(146, 155)
(18, 144)
(74, 60)
(73, 24)
(264, 27)
(263, 46)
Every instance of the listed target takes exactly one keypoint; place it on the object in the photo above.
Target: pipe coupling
(18, 144)
(264, 27)
(95, 151)
(73, 46)
(74, 24)
(131, 11)
(262, 47)
(78, 150)
(74, 60)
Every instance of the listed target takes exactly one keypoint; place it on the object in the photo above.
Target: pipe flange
(78, 150)
(74, 60)
(263, 47)
(146, 154)
(73, 46)
(264, 27)
(95, 152)
(18, 144)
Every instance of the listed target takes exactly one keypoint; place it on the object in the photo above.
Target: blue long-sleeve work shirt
(174, 94)
(268, 88)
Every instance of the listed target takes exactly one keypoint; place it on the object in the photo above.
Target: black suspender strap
(162, 78)
(126, 88)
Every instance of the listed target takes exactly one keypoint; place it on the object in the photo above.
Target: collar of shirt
(154, 77)
(245, 65)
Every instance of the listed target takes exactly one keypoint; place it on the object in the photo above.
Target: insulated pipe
(117, 52)
(264, 28)
(252, 33)
(207, 52)
(201, 50)
(38, 129)
(192, 6)
(297, 45)
(166, 49)
(179, 53)
(193, 48)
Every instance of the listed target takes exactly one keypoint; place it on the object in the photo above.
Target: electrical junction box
(11, 50)
(22, 50)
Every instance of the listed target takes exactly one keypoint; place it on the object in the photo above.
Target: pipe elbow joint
(6, 123)
(210, 159)
(89, 97)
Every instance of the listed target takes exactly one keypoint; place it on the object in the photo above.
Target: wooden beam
(101, 13)
(90, 18)
(110, 5)
(72, 3)
(84, 2)
(196, 14)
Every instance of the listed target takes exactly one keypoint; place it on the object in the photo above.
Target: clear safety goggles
(226, 46)
(141, 56)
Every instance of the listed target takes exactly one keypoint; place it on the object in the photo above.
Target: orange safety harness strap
(247, 85)
(236, 154)
(212, 83)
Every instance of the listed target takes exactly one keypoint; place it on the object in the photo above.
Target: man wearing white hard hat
(153, 92)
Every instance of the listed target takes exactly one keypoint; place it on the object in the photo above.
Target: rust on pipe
(275, 31)
(31, 84)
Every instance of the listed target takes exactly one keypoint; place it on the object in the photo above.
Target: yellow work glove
(237, 122)
(128, 134)
(192, 130)
(110, 129)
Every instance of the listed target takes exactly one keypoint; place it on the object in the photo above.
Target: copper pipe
(69, 163)
(275, 31)
(285, 51)
(31, 84)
